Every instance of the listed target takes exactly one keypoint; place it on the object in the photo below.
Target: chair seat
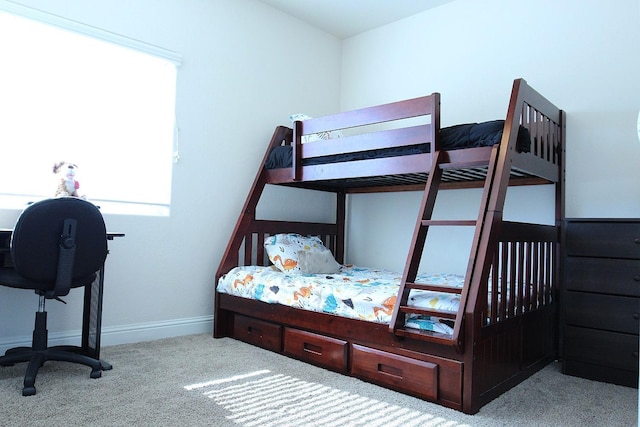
(10, 277)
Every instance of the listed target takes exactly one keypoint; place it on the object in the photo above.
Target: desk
(92, 310)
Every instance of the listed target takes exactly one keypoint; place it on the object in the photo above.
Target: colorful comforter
(355, 292)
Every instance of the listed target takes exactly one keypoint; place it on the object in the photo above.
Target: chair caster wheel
(28, 391)
(96, 374)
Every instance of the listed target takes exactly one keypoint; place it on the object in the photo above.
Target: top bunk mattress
(469, 135)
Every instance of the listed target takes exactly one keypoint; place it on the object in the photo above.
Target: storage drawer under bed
(258, 332)
(317, 349)
(394, 371)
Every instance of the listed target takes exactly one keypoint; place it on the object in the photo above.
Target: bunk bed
(501, 324)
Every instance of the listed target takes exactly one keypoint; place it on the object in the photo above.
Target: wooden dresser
(600, 306)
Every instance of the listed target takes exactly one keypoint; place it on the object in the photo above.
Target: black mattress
(467, 135)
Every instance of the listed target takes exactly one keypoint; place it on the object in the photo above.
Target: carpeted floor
(198, 381)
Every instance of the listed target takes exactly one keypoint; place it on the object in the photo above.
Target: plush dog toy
(68, 185)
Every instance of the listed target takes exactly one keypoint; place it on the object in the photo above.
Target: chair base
(41, 353)
(106, 366)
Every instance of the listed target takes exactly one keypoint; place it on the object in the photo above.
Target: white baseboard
(124, 334)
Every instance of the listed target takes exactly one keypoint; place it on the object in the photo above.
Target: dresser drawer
(600, 373)
(611, 349)
(600, 311)
(317, 349)
(611, 276)
(397, 372)
(258, 332)
(614, 239)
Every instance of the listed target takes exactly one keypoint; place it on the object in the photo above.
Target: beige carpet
(198, 381)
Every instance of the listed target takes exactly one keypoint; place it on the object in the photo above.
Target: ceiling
(345, 18)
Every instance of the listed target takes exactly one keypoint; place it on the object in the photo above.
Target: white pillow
(317, 262)
(293, 253)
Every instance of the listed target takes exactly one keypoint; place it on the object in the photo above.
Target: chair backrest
(41, 234)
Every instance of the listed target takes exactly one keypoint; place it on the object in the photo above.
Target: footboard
(523, 275)
(514, 318)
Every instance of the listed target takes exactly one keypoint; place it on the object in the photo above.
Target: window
(82, 95)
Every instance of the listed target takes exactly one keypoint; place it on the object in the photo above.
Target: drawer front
(398, 372)
(600, 373)
(599, 311)
(324, 351)
(603, 239)
(258, 332)
(601, 348)
(610, 276)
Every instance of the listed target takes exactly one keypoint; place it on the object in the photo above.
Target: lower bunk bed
(456, 340)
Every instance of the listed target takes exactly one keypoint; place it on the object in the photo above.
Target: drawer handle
(637, 240)
(636, 316)
(635, 354)
(314, 349)
(636, 278)
(252, 330)
(390, 370)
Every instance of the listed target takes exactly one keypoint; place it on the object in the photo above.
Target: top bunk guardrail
(373, 148)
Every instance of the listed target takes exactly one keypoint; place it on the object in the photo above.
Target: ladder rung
(435, 288)
(427, 222)
(426, 311)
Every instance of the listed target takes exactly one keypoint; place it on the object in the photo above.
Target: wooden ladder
(490, 214)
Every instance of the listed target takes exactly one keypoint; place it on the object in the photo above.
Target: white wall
(581, 55)
(246, 68)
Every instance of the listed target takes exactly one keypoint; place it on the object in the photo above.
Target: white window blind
(71, 92)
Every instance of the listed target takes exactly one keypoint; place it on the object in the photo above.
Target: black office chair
(56, 245)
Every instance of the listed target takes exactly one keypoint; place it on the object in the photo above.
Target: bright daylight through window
(72, 97)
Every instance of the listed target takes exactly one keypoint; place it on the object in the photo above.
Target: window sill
(19, 203)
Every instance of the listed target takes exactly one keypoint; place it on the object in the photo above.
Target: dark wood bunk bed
(505, 327)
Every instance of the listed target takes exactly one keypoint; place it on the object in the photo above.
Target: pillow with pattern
(294, 253)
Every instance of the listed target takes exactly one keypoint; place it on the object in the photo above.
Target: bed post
(341, 218)
(296, 146)
(247, 216)
(560, 220)
(491, 367)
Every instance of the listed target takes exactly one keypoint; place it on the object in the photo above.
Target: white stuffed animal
(68, 185)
